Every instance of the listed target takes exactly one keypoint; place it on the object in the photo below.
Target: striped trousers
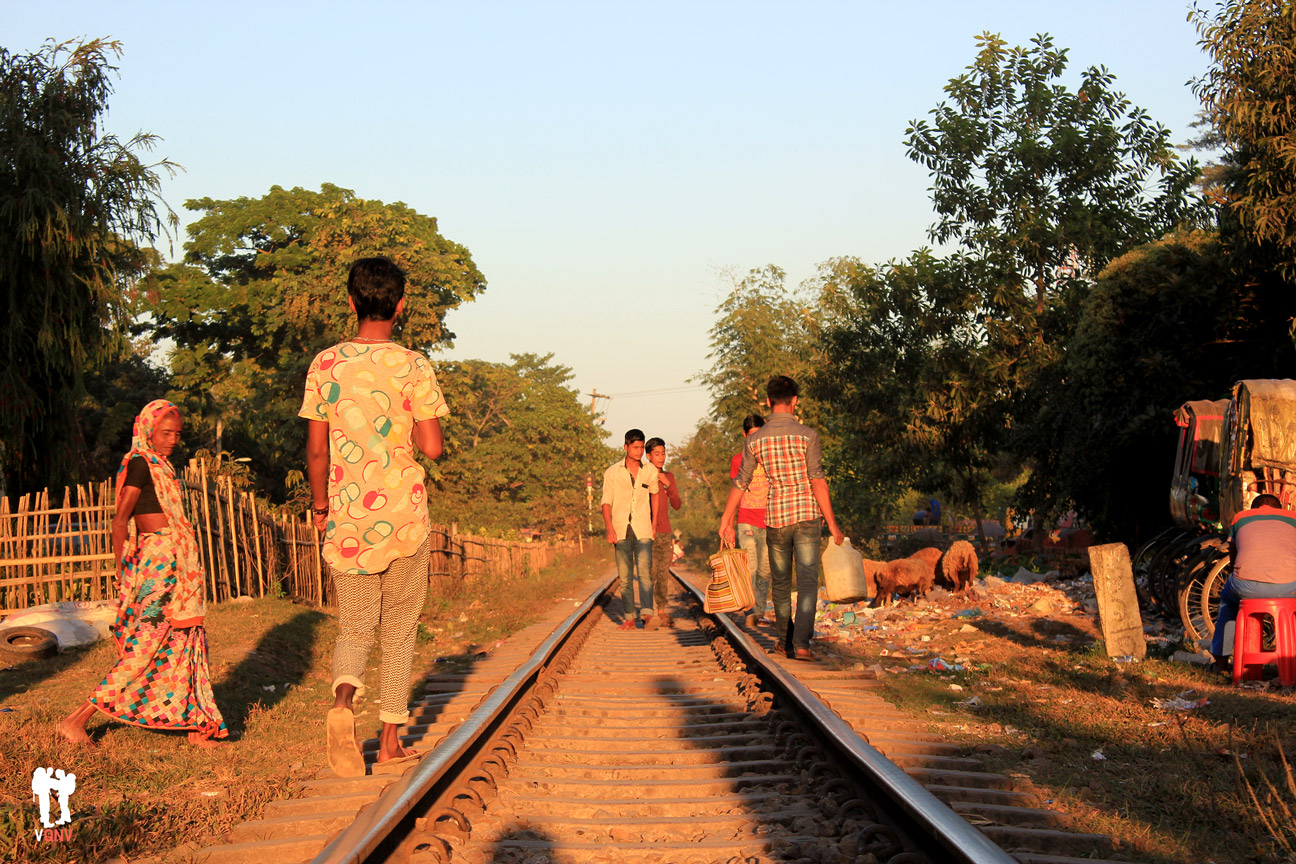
(390, 602)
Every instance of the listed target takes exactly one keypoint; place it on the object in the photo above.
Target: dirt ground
(148, 796)
(1158, 753)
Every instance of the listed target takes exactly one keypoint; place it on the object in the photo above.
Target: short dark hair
(752, 421)
(634, 435)
(1266, 500)
(653, 444)
(376, 285)
(781, 390)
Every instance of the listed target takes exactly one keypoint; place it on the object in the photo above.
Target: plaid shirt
(789, 453)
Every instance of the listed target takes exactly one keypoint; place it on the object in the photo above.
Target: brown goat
(904, 575)
(929, 555)
(959, 565)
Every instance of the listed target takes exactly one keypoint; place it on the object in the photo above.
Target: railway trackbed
(587, 743)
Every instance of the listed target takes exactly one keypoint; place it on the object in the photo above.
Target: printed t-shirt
(1265, 538)
(751, 507)
(371, 396)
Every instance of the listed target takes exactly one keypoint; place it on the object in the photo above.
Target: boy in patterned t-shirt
(370, 402)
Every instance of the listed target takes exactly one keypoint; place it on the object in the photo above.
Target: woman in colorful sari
(161, 680)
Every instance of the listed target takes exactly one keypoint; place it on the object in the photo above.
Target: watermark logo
(50, 785)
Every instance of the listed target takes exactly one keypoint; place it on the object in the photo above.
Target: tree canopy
(78, 213)
(262, 289)
(518, 446)
(1033, 178)
(1249, 97)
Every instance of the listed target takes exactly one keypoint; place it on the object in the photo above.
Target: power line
(664, 391)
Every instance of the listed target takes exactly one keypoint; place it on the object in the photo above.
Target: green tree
(1249, 97)
(1165, 323)
(262, 289)
(762, 329)
(912, 384)
(77, 212)
(518, 447)
(1033, 178)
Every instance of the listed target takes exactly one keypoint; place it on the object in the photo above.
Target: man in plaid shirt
(798, 498)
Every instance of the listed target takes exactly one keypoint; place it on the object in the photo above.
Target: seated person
(1262, 542)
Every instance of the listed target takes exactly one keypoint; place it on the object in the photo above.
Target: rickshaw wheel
(1143, 581)
(1208, 598)
(1168, 565)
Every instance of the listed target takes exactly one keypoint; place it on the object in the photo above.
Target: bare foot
(74, 732)
(399, 753)
(198, 739)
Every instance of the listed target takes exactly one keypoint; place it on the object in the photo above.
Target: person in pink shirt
(751, 524)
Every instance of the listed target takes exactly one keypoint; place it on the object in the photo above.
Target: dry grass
(142, 793)
(1203, 785)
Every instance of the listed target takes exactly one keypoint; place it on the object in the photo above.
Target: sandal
(343, 754)
(399, 765)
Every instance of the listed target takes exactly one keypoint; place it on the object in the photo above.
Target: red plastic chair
(1248, 658)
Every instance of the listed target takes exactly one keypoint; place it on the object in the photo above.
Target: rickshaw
(1258, 455)
(1194, 507)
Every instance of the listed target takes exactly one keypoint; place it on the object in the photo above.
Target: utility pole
(594, 397)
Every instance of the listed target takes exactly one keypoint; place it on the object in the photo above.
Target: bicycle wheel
(1196, 572)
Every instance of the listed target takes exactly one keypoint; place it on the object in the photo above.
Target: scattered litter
(1180, 702)
(6, 710)
(1158, 723)
(937, 664)
(971, 702)
(1189, 657)
(269, 688)
(1097, 755)
(463, 616)
(968, 613)
(957, 688)
(1124, 658)
(967, 628)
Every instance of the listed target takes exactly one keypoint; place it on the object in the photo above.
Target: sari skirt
(161, 680)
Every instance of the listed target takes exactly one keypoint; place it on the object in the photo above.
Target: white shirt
(629, 497)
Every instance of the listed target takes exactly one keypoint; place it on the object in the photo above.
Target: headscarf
(188, 600)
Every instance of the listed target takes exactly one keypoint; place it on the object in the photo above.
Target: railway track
(586, 743)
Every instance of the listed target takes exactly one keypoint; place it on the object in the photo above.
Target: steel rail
(376, 823)
(921, 817)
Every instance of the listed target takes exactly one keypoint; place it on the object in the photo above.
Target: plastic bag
(844, 574)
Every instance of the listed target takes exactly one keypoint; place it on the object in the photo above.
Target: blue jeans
(1232, 595)
(799, 541)
(629, 552)
(752, 541)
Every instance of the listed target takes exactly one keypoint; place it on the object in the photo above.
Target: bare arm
(607, 523)
(126, 502)
(427, 437)
(819, 486)
(317, 465)
(727, 520)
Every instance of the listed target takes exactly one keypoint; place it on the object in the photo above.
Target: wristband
(320, 511)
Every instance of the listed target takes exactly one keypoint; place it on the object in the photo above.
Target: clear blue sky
(603, 162)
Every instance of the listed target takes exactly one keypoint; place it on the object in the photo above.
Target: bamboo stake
(256, 539)
(206, 512)
(233, 540)
(319, 561)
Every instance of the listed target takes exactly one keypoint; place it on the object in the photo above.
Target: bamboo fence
(248, 549)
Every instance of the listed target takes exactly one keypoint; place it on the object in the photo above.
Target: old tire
(18, 644)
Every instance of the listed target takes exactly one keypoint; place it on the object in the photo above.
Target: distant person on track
(666, 499)
(629, 491)
(161, 680)
(1262, 541)
(370, 402)
(797, 509)
(751, 524)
